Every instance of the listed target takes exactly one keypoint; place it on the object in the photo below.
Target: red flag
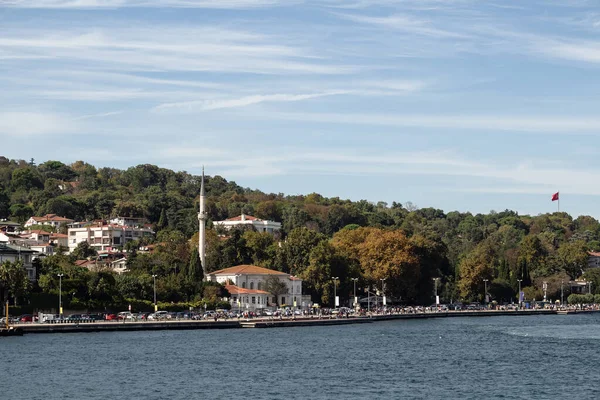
(555, 196)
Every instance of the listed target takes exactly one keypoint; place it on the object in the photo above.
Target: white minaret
(202, 223)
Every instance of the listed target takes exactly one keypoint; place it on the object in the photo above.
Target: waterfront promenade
(267, 322)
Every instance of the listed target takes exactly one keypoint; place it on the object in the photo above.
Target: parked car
(110, 317)
(125, 315)
(26, 318)
(157, 316)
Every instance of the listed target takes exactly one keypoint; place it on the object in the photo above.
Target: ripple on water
(453, 358)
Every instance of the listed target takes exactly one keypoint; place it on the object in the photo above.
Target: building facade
(52, 220)
(103, 236)
(243, 220)
(248, 284)
(12, 253)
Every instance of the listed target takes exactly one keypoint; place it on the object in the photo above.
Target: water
(533, 357)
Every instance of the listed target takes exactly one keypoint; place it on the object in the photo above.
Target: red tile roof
(40, 232)
(232, 289)
(246, 217)
(51, 217)
(247, 270)
(594, 253)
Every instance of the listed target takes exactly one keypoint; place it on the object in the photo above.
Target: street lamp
(383, 291)
(561, 293)
(355, 280)
(519, 294)
(435, 281)
(545, 287)
(335, 302)
(155, 305)
(485, 281)
(60, 310)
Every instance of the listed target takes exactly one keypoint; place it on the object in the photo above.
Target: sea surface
(530, 357)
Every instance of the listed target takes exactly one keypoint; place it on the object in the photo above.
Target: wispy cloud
(28, 123)
(405, 23)
(113, 4)
(535, 124)
(206, 105)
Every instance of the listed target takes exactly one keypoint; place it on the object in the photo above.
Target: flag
(555, 196)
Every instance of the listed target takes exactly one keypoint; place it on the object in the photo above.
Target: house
(249, 291)
(59, 239)
(103, 235)
(52, 220)
(38, 235)
(248, 220)
(8, 226)
(593, 259)
(127, 221)
(11, 252)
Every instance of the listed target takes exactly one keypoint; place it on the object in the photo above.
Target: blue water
(532, 357)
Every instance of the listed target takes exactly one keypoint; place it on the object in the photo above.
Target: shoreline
(261, 323)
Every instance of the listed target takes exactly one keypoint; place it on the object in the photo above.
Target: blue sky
(455, 104)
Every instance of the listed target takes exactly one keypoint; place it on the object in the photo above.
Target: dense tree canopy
(321, 238)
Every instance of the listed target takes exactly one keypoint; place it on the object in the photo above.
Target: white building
(104, 236)
(52, 220)
(247, 286)
(260, 225)
(12, 253)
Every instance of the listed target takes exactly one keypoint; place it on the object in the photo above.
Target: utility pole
(485, 281)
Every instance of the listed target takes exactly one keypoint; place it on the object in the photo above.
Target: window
(243, 285)
(253, 300)
(259, 285)
(251, 285)
(72, 233)
(282, 299)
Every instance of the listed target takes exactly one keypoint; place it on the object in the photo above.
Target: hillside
(321, 237)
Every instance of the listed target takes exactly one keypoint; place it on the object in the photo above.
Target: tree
(474, 268)
(83, 251)
(194, 270)
(13, 280)
(275, 287)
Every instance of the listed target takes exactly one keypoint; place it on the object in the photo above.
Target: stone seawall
(103, 326)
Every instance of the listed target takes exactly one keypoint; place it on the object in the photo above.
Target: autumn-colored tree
(474, 268)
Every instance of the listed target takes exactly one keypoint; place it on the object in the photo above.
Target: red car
(26, 318)
(110, 317)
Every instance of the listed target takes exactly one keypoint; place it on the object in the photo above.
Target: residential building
(248, 220)
(593, 259)
(52, 220)
(248, 287)
(104, 236)
(8, 226)
(59, 239)
(128, 221)
(12, 252)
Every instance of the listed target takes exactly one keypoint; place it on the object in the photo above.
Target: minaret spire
(202, 226)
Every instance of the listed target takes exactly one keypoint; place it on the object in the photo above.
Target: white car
(157, 316)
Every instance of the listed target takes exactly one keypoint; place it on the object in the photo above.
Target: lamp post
(545, 287)
(155, 305)
(590, 287)
(519, 294)
(383, 291)
(485, 281)
(355, 302)
(435, 298)
(60, 310)
(562, 293)
(335, 302)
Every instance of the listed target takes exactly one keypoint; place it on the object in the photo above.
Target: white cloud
(27, 123)
(113, 4)
(207, 105)
(541, 123)
(406, 23)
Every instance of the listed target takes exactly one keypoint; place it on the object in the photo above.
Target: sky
(454, 104)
